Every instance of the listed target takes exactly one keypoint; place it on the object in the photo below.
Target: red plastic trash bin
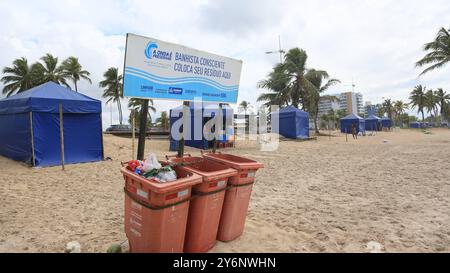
(237, 197)
(207, 202)
(156, 213)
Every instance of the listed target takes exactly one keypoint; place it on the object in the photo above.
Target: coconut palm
(48, 70)
(399, 109)
(19, 77)
(164, 120)
(277, 83)
(73, 70)
(439, 52)
(288, 81)
(431, 103)
(243, 106)
(388, 108)
(418, 99)
(443, 100)
(136, 104)
(113, 88)
(295, 70)
(317, 78)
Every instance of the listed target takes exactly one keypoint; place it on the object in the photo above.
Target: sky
(372, 43)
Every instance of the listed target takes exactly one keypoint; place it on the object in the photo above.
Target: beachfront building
(351, 102)
(328, 103)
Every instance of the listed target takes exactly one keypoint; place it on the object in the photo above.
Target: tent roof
(46, 98)
(291, 109)
(386, 119)
(373, 117)
(352, 116)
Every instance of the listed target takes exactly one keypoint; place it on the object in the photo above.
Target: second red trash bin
(206, 206)
(238, 195)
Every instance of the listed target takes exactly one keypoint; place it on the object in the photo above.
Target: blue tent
(373, 123)
(415, 125)
(30, 125)
(350, 120)
(386, 122)
(293, 123)
(206, 111)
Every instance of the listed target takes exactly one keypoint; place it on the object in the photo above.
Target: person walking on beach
(354, 132)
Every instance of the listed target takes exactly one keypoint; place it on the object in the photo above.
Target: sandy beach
(315, 196)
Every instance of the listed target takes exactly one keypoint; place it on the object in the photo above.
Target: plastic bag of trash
(167, 176)
(151, 163)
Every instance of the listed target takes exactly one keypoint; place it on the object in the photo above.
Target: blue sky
(373, 42)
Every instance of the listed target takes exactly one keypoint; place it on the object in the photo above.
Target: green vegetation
(22, 76)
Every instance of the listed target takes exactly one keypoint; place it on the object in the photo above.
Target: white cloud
(374, 42)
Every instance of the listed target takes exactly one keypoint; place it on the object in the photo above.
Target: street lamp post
(280, 51)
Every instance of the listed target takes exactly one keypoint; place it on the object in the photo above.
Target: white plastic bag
(164, 177)
(151, 163)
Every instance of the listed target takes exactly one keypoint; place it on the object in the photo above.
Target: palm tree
(439, 54)
(113, 88)
(443, 100)
(135, 105)
(431, 103)
(244, 106)
(388, 108)
(50, 71)
(399, 109)
(316, 78)
(20, 77)
(295, 70)
(72, 69)
(288, 81)
(277, 82)
(381, 111)
(164, 120)
(418, 99)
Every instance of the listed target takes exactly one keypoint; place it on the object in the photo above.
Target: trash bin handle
(171, 156)
(209, 152)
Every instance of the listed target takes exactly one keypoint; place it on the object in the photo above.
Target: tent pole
(32, 140)
(101, 133)
(329, 129)
(61, 130)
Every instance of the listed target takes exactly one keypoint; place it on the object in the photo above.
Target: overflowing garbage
(152, 169)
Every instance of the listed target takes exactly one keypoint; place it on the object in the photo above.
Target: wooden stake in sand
(61, 132)
(32, 140)
(329, 129)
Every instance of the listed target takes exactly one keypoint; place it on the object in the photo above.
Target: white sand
(316, 196)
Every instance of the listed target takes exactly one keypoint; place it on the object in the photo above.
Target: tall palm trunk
(423, 116)
(119, 107)
(76, 87)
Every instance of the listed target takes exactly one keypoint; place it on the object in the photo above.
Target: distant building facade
(349, 101)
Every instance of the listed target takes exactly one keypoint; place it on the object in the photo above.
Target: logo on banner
(151, 52)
